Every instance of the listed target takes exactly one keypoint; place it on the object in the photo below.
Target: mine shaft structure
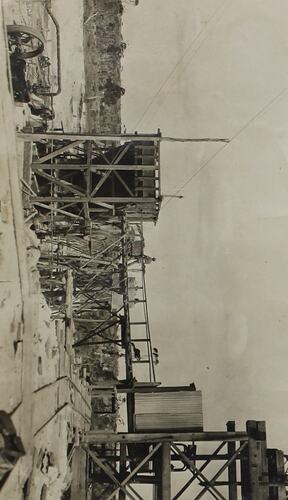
(83, 188)
(87, 178)
(241, 465)
(85, 195)
(89, 198)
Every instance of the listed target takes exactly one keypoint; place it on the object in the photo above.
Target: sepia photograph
(143, 249)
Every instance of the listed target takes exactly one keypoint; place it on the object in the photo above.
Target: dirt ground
(68, 104)
(34, 365)
(45, 469)
(92, 27)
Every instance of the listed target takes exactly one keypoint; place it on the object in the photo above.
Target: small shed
(169, 409)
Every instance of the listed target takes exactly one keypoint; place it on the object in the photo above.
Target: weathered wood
(140, 340)
(122, 153)
(211, 482)
(69, 294)
(61, 183)
(147, 178)
(123, 183)
(128, 167)
(277, 478)
(73, 136)
(58, 210)
(142, 479)
(95, 437)
(23, 287)
(208, 460)
(123, 458)
(197, 457)
(232, 469)
(116, 137)
(264, 460)
(198, 473)
(200, 139)
(84, 198)
(104, 205)
(258, 464)
(138, 322)
(27, 162)
(135, 470)
(166, 471)
(58, 151)
(221, 483)
(141, 361)
(145, 189)
(87, 320)
(78, 484)
(244, 467)
(101, 182)
(109, 473)
(92, 166)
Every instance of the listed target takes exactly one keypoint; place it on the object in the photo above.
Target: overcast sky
(219, 289)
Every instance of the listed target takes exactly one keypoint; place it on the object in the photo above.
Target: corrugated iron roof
(171, 410)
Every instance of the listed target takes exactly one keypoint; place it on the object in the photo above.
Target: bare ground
(81, 105)
(32, 359)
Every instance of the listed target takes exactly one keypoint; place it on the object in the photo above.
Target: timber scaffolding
(251, 471)
(96, 177)
(76, 183)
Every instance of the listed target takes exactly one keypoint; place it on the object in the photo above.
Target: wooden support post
(165, 471)
(155, 437)
(232, 470)
(93, 167)
(72, 136)
(264, 460)
(244, 461)
(100, 199)
(258, 464)
(156, 138)
(277, 479)
(69, 332)
(157, 490)
(123, 458)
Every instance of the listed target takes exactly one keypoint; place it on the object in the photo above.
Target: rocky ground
(39, 387)
(68, 104)
(90, 57)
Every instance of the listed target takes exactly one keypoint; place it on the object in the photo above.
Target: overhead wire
(265, 108)
(179, 61)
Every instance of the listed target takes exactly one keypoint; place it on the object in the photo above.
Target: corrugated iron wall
(175, 411)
